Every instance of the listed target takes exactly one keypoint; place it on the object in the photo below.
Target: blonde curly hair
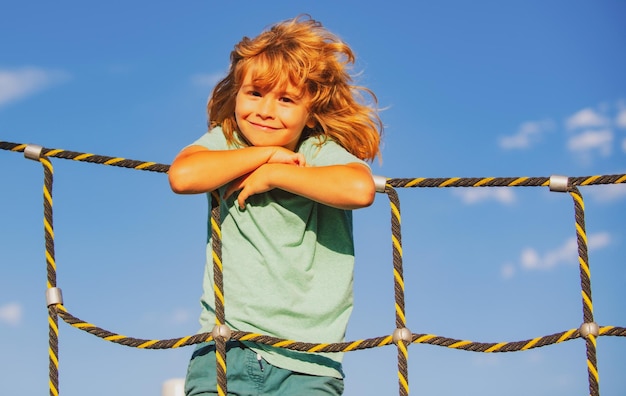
(303, 53)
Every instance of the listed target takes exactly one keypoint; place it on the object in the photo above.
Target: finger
(241, 200)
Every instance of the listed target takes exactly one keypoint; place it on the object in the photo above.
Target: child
(288, 138)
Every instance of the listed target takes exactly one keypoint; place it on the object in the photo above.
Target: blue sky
(470, 89)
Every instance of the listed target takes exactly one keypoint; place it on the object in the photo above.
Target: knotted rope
(402, 337)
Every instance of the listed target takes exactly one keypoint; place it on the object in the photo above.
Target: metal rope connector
(559, 183)
(222, 331)
(33, 152)
(54, 296)
(589, 328)
(380, 182)
(402, 334)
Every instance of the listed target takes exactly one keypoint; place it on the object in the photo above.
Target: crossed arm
(254, 170)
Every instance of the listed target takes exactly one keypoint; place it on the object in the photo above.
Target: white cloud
(586, 118)
(20, 83)
(605, 193)
(507, 271)
(592, 140)
(592, 132)
(207, 80)
(527, 134)
(598, 241)
(567, 253)
(620, 119)
(530, 259)
(179, 316)
(474, 195)
(11, 314)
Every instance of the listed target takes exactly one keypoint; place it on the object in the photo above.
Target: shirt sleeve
(213, 140)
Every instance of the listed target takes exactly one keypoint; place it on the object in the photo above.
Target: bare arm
(349, 186)
(197, 169)
(254, 170)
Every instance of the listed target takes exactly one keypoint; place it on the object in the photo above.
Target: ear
(311, 122)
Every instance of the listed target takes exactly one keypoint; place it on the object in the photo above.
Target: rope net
(402, 337)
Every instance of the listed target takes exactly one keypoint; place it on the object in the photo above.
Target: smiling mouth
(263, 127)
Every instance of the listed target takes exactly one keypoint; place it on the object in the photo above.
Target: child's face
(271, 117)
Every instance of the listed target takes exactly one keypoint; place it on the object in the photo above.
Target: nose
(266, 107)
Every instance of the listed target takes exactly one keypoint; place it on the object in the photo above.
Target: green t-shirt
(288, 266)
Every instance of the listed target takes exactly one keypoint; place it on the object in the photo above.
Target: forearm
(198, 170)
(348, 186)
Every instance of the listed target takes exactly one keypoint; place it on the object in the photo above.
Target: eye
(254, 93)
(286, 99)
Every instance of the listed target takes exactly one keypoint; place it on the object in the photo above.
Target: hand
(255, 182)
(284, 156)
(259, 180)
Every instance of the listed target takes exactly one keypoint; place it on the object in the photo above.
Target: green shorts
(247, 374)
